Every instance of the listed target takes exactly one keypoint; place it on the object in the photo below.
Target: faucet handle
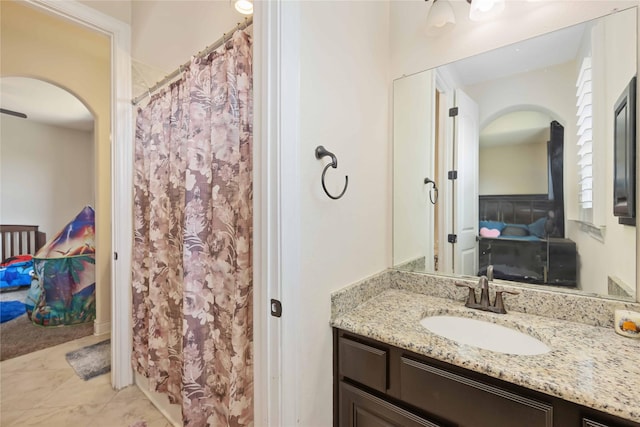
(498, 304)
(471, 298)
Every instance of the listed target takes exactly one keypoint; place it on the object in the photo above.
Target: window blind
(584, 94)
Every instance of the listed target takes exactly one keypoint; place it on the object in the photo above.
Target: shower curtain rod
(205, 52)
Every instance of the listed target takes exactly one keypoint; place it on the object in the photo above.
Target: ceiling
(44, 103)
(533, 54)
(538, 53)
(57, 107)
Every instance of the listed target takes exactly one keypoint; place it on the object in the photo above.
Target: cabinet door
(467, 402)
(361, 409)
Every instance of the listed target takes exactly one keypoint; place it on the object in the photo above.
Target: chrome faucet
(485, 304)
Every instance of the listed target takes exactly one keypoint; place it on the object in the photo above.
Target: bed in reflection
(18, 244)
(520, 238)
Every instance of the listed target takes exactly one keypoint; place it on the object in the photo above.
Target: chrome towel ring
(322, 152)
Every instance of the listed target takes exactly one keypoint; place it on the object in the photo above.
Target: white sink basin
(486, 335)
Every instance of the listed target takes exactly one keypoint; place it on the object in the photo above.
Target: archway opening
(47, 176)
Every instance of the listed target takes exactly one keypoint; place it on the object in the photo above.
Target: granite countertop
(588, 365)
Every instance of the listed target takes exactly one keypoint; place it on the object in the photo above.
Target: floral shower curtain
(192, 272)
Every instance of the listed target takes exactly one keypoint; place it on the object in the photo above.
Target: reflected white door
(413, 142)
(466, 185)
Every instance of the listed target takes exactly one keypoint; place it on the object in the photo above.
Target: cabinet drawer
(360, 409)
(467, 402)
(363, 363)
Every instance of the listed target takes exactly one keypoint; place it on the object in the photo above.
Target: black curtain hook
(322, 152)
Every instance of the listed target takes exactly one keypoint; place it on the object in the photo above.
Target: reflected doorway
(47, 175)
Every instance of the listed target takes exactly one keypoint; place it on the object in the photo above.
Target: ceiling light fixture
(481, 10)
(440, 18)
(244, 6)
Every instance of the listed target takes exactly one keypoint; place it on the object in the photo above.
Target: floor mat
(10, 310)
(92, 360)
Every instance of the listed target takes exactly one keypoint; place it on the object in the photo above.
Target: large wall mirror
(507, 159)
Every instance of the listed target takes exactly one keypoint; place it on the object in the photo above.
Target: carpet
(10, 310)
(92, 360)
(20, 336)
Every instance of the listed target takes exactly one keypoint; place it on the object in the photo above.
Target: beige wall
(413, 147)
(344, 105)
(513, 169)
(38, 45)
(609, 254)
(46, 173)
(550, 90)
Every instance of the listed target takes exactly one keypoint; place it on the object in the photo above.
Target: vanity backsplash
(588, 310)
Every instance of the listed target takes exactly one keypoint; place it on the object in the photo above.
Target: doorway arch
(48, 159)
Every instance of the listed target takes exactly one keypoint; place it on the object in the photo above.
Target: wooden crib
(20, 240)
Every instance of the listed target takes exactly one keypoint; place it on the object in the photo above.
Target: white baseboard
(101, 328)
(172, 412)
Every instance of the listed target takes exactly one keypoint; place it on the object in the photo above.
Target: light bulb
(482, 10)
(244, 6)
(484, 5)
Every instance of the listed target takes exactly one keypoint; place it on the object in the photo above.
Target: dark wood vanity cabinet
(378, 385)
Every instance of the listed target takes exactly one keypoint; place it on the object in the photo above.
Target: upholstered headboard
(514, 209)
(20, 240)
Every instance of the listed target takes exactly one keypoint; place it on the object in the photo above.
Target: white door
(413, 152)
(466, 134)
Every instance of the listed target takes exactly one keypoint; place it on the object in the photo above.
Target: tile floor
(42, 389)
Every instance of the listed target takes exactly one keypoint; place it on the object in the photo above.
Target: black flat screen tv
(624, 175)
